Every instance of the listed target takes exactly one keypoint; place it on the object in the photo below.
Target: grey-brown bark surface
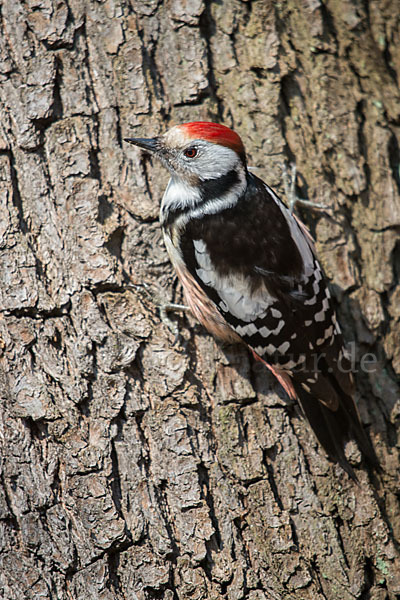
(133, 468)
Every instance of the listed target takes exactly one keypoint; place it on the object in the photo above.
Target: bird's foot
(289, 182)
(164, 316)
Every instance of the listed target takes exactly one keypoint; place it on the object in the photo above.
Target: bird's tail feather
(334, 428)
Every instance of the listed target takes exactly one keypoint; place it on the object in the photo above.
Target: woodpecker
(250, 274)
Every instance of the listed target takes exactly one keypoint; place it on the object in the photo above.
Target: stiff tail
(334, 428)
(326, 398)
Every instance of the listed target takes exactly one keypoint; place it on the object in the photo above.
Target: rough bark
(132, 467)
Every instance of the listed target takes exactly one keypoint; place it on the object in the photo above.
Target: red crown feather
(215, 133)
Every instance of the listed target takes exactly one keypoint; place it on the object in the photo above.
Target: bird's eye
(190, 152)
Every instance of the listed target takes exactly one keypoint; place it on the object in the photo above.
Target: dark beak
(149, 144)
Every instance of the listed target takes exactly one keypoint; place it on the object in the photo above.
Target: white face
(194, 166)
(210, 161)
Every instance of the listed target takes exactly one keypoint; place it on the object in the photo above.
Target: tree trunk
(135, 468)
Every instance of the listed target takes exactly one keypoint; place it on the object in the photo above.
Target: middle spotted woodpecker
(250, 274)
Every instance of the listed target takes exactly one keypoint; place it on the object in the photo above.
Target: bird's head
(196, 152)
(208, 170)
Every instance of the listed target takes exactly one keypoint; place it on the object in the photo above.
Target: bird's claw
(289, 182)
(172, 325)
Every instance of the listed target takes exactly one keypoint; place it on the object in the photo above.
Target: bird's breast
(202, 307)
(172, 243)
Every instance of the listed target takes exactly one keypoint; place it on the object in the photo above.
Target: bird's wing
(284, 315)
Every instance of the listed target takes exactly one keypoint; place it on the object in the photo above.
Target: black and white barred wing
(284, 327)
(297, 334)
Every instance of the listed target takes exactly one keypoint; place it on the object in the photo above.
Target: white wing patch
(199, 246)
(234, 290)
